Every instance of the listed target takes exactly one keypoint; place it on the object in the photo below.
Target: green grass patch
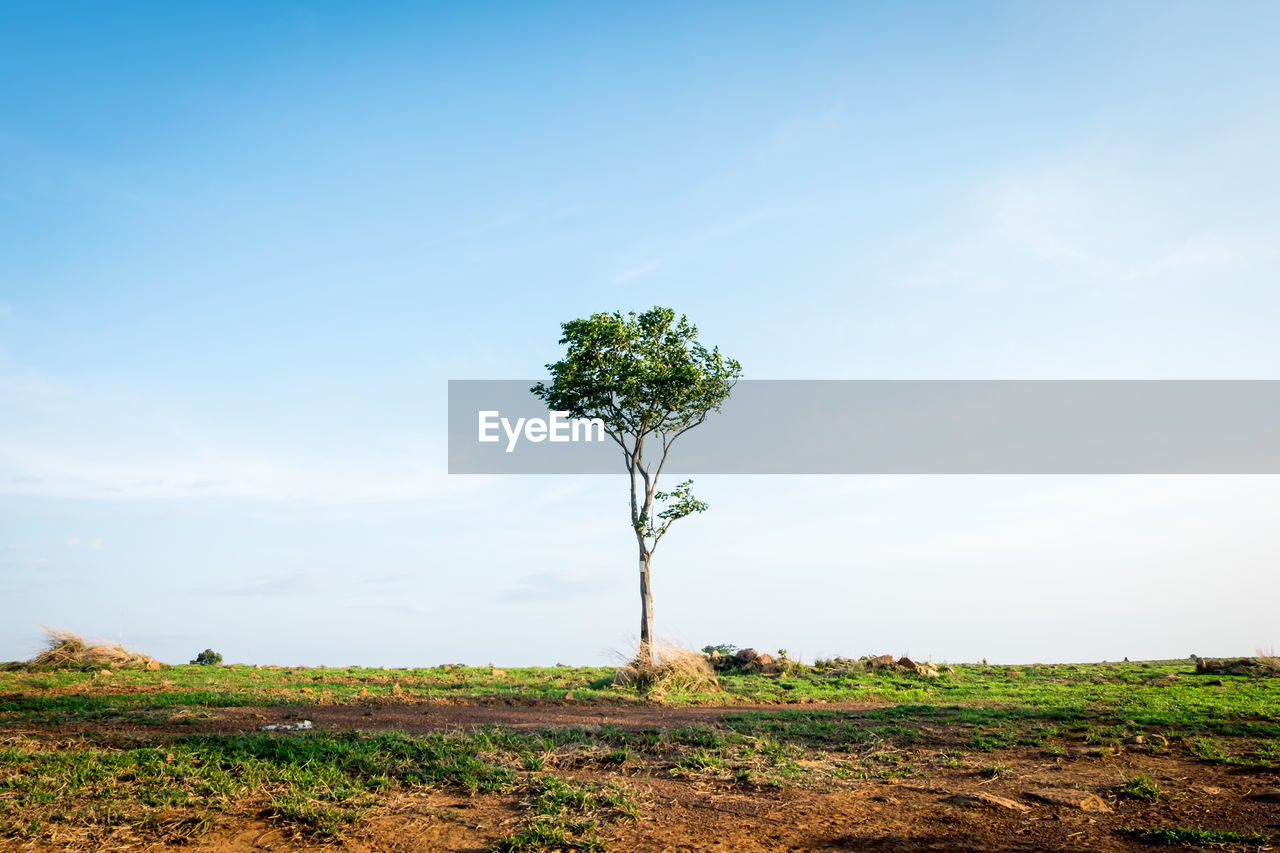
(564, 814)
(1194, 837)
(1140, 787)
(314, 782)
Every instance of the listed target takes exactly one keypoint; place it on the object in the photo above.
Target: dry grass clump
(672, 669)
(65, 650)
(1268, 660)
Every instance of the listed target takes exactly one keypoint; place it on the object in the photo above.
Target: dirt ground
(698, 814)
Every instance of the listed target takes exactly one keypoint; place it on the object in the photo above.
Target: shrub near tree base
(208, 657)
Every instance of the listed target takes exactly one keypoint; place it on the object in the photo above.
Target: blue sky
(243, 247)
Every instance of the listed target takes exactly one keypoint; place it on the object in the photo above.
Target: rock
(1136, 739)
(880, 662)
(569, 695)
(1266, 795)
(950, 670)
(1012, 673)
(765, 659)
(906, 662)
(745, 656)
(153, 664)
(989, 800)
(1070, 798)
(363, 691)
(396, 690)
(303, 726)
(1239, 666)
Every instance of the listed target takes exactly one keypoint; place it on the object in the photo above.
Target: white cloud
(1081, 225)
(33, 470)
(58, 440)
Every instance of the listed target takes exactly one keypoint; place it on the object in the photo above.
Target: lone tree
(650, 381)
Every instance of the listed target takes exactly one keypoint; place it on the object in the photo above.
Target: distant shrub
(208, 657)
(725, 649)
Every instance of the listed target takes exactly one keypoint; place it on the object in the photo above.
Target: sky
(244, 246)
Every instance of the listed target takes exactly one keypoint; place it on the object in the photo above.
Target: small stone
(499, 673)
(1266, 795)
(982, 798)
(569, 695)
(906, 662)
(1070, 798)
(1137, 739)
(396, 689)
(153, 664)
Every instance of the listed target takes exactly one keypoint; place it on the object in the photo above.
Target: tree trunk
(645, 653)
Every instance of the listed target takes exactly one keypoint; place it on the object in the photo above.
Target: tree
(208, 657)
(650, 380)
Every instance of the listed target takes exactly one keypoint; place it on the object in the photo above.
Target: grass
(1195, 837)
(999, 770)
(166, 783)
(315, 782)
(567, 815)
(1140, 787)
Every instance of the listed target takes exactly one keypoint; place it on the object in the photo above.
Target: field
(1110, 756)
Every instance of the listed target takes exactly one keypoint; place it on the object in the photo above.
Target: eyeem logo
(557, 427)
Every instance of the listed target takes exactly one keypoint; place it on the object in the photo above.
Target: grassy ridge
(1154, 693)
(167, 784)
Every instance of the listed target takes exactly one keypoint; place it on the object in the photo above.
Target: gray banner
(903, 427)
